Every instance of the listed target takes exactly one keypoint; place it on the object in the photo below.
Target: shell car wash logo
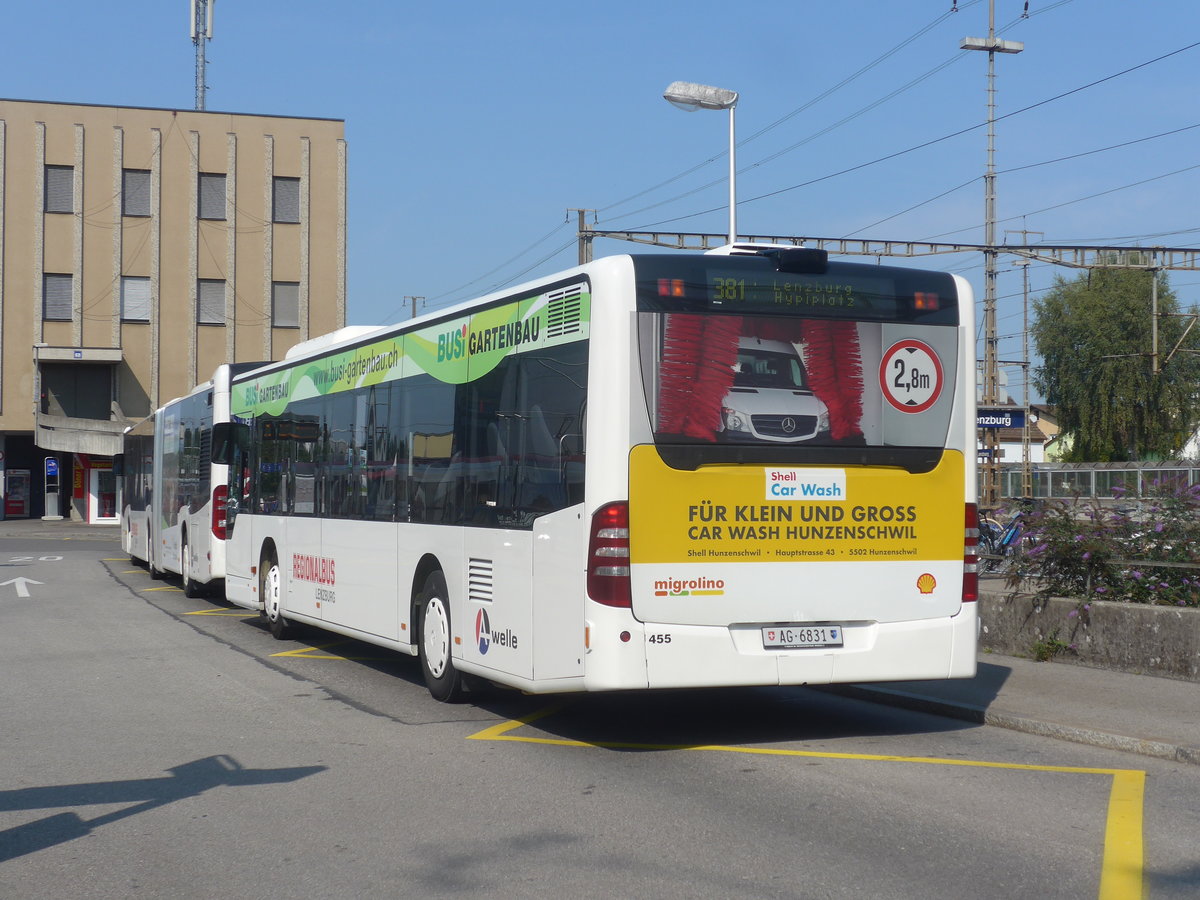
(689, 587)
(926, 583)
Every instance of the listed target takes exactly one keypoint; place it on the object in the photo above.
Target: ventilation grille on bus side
(479, 580)
(563, 315)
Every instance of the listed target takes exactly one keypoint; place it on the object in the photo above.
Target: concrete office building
(139, 250)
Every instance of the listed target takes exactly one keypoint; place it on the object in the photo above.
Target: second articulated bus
(173, 515)
(646, 472)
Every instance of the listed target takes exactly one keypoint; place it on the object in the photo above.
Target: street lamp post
(691, 97)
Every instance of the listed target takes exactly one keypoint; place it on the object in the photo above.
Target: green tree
(1094, 337)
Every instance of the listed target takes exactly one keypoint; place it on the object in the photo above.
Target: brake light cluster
(220, 502)
(608, 556)
(670, 287)
(970, 590)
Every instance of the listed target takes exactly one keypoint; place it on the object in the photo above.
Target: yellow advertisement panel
(755, 513)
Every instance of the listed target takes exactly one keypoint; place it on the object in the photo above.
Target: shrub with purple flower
(1080, 549)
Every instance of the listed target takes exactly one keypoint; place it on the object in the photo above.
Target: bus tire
(191, 589)
(270, 589)
(434, 647)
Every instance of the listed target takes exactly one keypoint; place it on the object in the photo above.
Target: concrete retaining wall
(1130, 637)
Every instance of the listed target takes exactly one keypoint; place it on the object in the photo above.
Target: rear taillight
(970, 591)
(219, 503)
(608, 556)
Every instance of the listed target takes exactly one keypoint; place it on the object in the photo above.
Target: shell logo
(926, 583)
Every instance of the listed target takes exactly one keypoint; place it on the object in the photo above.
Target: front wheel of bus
(270, 590)
(437, 663)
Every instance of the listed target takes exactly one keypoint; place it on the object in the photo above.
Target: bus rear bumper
(703, 656)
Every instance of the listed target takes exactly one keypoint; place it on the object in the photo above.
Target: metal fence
(1115, 483)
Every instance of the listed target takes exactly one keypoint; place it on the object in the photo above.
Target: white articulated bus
(173, 511)
(650, 471)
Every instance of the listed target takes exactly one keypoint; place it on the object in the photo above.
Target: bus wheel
(269, 589)
(437, 664)
(191, 589)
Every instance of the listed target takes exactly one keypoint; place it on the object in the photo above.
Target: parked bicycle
(1000, 544)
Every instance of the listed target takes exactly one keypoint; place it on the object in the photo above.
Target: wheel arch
(426, 567)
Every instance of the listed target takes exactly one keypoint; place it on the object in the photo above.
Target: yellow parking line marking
(1121, 872)
(499, 731)
(240, 613)
(166, 588)
(1121, 869)
(314, 653)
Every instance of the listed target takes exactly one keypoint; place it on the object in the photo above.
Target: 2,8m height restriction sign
(910, 374)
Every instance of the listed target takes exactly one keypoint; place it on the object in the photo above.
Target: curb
(979, 716)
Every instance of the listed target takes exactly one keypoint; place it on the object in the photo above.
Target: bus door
(238, 543)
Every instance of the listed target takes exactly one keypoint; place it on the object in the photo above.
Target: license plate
(791, 637)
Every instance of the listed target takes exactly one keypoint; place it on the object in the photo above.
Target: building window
(285, 304)
(135, 192)
(60, 189)
(210, 301)
(211, 202)
(285, 206)
(135, 299)
(56, 297)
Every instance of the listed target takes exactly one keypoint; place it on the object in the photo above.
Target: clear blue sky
(474, 126)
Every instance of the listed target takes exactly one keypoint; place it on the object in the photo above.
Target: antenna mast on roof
(201, 21)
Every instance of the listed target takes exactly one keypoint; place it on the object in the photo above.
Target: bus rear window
(789, 381)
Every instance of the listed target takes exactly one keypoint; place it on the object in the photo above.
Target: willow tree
(1094, 335)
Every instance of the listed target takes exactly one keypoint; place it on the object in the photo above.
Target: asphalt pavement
(1142, 714)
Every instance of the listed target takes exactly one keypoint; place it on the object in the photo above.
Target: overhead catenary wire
(462, 287)
(845, 120)
(931, 142)
(1070, 202)
(847, 170)
(808, 104)
(1025, 167)
(788, 116)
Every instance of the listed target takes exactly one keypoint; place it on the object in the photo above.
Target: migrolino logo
(689, 587)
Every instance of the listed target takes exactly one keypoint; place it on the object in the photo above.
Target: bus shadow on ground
(186, 780)
(677, 719)
(672, 718)
(966, 699)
